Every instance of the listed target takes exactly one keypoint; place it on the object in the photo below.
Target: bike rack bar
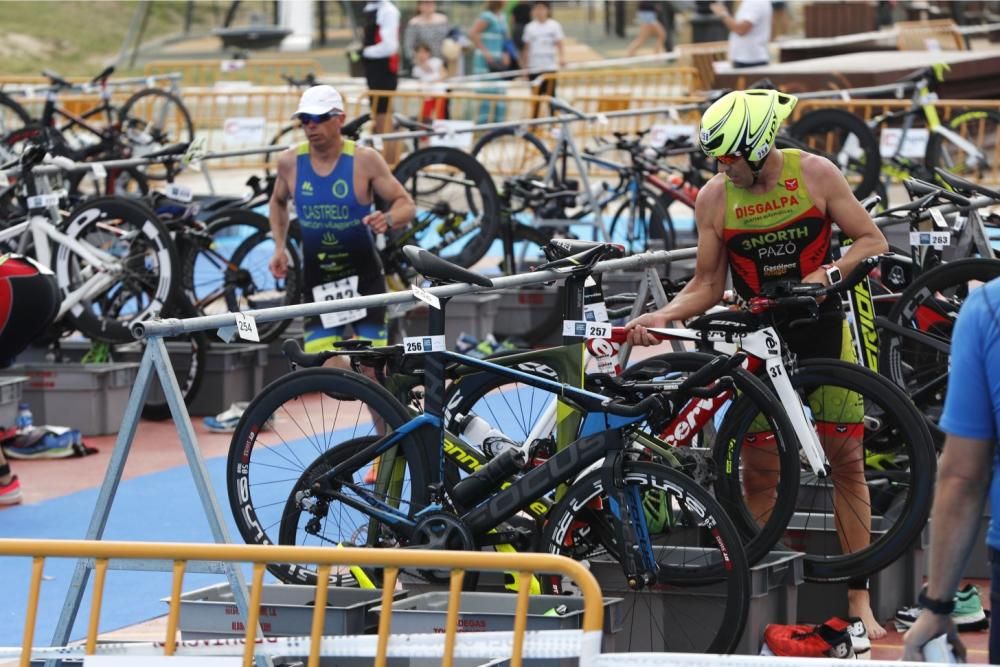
(173, 326)
(32, 90)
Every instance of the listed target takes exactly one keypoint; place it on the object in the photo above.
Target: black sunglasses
(316, 118)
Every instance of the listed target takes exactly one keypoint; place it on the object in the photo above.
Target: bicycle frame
(922, 102)
(764, 352)
(592, 445)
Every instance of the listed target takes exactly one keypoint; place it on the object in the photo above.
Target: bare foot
(859, 604)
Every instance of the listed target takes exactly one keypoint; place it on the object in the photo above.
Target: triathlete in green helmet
(768, 215)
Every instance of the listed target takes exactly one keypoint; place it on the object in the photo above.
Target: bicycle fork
(631, 530)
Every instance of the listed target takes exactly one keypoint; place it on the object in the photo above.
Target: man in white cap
(333, 183)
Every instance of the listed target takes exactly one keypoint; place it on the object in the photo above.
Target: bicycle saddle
(105, 73)
(442, 271)
(55, 79)
(562, 248)
(574, 253)
(728, 321)
(169, 150)
(964, 186)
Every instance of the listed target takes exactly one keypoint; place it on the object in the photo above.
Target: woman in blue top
(489, 34)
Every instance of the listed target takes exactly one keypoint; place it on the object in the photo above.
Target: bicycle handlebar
(917, 187)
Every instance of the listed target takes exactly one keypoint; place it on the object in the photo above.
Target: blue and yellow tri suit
(338, 249)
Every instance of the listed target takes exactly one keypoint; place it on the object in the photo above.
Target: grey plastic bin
(892, 587)
(11, 390)
(88, 397)
(285, 611)
(656, 616)
(233, 372)
(277, 363)
(494, 612)
(473, 314)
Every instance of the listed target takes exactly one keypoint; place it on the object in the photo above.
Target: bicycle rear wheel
(143, 254)
(700, 601)
(297, 425)
(845, 140)
(927, 310)
(636, 224)
(512, 152)
(876, 495)
(458, 209)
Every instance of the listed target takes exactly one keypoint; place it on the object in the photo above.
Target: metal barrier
(268, 112)
(259, 72)
(617, 83)
(587, 640)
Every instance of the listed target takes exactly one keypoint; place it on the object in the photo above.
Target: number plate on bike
(177, 192)
(43, 201)
(586, 329)
(345, 288)
(423, 344)
(930, 238)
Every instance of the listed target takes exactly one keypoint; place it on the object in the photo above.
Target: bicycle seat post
(434, 367)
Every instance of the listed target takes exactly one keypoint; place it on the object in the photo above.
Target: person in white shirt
(543, 49)
(380, 55)
(430, 72)
(749, 32)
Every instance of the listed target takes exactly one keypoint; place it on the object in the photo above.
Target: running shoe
(10, 493)
(42, 442)
(859, 635)
(806, 641)
(968, 616)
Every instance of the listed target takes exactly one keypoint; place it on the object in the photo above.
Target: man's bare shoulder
(710, 206)
(817, 171)
(368, 158)
(286, 158)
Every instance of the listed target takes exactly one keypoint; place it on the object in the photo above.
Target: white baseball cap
(319, 100)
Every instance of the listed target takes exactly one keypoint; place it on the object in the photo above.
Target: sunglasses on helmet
(316, 118)
(729, 159)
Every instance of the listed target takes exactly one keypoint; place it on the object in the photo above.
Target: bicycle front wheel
(306, 422)
(638, 222)
(748, 453)
(152, 119)
(701, 598)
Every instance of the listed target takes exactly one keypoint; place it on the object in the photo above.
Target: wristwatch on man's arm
(833, 274)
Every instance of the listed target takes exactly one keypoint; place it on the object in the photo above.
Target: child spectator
(430, 72)
(543, 49)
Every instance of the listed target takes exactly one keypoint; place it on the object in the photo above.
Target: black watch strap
(940, 607)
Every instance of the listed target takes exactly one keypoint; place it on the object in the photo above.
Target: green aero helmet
(745, 123)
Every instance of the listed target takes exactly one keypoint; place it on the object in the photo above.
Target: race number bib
(345, 288)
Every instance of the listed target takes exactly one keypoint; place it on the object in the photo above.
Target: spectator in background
(543, 50)
(971, 420)
(380, 55)
(520, 16)
(749, 32)
(649, 26)
(428, 27)
(430, 71)
(489, 35)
